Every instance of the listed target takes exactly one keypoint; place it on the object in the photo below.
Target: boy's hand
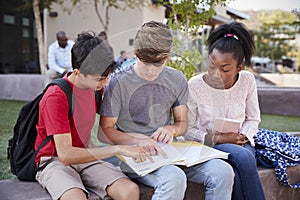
(151, 146)
(138, 154)
(163, 134)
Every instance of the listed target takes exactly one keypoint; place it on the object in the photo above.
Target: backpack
(21, 151)
(278, 150)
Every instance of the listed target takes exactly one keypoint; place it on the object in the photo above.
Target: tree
(277, 30)
(38, 24)
(38, 6)
(108, 4)
(186, 18)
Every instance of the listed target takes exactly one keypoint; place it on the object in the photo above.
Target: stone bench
(14, 189)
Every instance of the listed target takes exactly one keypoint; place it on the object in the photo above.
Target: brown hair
(153, 43)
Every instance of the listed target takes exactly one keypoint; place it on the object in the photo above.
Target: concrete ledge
(22, 87)
(273, 100)
(14, 189)
(278, 100)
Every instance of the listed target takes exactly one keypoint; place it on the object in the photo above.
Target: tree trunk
(38, 25)
(99, 15)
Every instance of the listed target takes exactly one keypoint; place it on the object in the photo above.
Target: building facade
(19, 50)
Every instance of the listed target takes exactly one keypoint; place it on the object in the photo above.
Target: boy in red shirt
(75, 164)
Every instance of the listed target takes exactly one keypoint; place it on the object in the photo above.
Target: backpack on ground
(278, 150)
(21, 151)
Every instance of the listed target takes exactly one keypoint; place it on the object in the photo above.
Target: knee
(244, 159)
(177, 180)
(132, 191)
(223, 176)
(227, 175)
(123, 189)
(74, 193)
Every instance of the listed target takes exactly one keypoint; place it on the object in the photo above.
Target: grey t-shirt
(142, 106)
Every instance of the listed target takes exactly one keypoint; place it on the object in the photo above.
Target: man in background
(59, 57)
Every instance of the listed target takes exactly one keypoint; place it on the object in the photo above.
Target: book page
(194, 153)
(159, 161)
(226, 125)
(186, 153)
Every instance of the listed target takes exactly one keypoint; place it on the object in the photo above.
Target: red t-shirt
(53, 118)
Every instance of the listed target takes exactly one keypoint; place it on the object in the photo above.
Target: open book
(193, 153)
(226, 125)
(186, 153)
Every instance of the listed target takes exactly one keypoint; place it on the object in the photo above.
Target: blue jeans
(217, 177)
(247, 184)
(169, 182)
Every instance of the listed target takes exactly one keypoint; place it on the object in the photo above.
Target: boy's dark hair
(92, 55)
(232, 38)
(103, 35)
(153, 43)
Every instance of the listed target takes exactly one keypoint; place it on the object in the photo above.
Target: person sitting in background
(59, 57)
(122, 58)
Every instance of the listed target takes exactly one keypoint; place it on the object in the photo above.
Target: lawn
(10, 109)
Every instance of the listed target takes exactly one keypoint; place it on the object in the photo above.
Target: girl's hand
(233, 138)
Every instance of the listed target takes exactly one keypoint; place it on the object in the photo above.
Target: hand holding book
(226, 125)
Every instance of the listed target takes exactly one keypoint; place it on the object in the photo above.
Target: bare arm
(165, 134)
(68, 154)
(107, 133)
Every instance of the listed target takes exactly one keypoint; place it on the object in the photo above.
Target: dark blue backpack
(21, 151)
(278, 150)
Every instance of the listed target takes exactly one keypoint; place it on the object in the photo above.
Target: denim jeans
(217, 177)
(247, 184)
(169, 182)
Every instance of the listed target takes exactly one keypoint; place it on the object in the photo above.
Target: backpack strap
(65, 86)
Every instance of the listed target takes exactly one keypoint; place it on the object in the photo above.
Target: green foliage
(296, 23)
(121, 4)
(272, 40)
(186, 63)
(185, 60)
(186, 18)
(43, 4)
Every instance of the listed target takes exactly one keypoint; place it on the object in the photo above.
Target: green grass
(280, 123)
(9, 112)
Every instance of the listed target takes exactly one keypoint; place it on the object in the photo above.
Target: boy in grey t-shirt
(138, 107)
(139, 103)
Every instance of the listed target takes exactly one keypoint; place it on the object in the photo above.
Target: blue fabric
(278, 150)
(169, 182)
(247, 184)
(216, 175)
